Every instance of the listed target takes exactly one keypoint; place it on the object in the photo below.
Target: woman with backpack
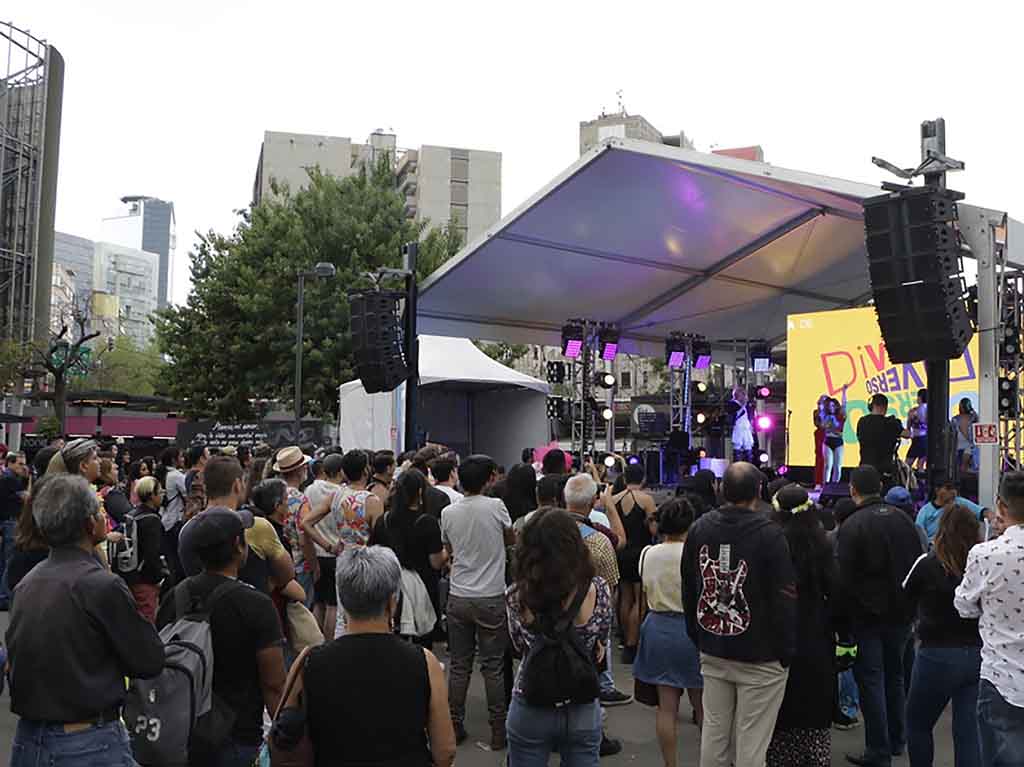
(559, 616)
(144, 533)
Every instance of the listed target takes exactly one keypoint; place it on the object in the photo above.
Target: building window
(460, 169)
(625, 380)
(459, 215)
(460, 192)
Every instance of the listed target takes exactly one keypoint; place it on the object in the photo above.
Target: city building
(147, 224)
(622, 125)
(64, 298)
(131, 276)
(74, 255)
(440, 184)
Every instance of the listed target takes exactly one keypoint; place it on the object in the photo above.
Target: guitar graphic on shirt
(722, 608)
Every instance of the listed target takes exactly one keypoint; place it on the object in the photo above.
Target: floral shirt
(593, 631)
(353, 527)
(298, 506)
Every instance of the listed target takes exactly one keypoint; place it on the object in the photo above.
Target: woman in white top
(667, 657)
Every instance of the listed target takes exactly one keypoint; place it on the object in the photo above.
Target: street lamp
(323, 270)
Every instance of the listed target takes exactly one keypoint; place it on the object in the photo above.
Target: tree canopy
(124, 368)
(234, 340)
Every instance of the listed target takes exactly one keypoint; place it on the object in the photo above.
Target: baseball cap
(898, 496)
(217, 524)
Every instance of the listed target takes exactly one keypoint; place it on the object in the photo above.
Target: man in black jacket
(740, 597)
(877, 546)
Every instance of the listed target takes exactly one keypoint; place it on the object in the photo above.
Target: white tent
(467, 400)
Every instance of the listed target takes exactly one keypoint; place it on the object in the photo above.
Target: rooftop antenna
(622, 106)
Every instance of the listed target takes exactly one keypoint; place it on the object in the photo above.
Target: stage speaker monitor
(916, 273)
(377, 340)
(832, 492)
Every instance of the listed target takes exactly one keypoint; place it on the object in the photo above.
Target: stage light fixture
(609, 461)
(763, 458)
(633, 460)
(782, 470)
(701, 418)
(760, 357)
(608, 343)
(605, 380)
(764, 392)
(1008, 396)
(556, 408)
(701, 354)
(556, 372)
(607, 414)
(675, 351)
(701, 387)
(702, 453)
(764, 423)
(573, 334)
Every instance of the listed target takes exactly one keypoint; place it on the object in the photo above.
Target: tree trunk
(60, 398)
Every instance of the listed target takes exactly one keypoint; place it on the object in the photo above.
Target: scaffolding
(23, 121)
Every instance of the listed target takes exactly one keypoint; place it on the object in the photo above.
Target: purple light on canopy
(675, 359)
(703, 362)
(633, 460)
(764, 422)
(573, 347)
(609, 350)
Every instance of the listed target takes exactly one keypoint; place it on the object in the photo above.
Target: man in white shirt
(173, 511)
(325, 603)
(475, 531)
(992, 590)
(445, 472)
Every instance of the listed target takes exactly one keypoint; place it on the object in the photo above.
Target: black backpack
(558, 670)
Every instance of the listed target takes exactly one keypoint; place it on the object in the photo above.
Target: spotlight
(701, 418)
(701, 354)
(605, 380)
(702, 453)
(607, 414)
(633, 460)
(556, 408)
(763, 458)
(572, 339)
(609, 461)
(608, 343)
(1008, 396)
(782, 470)
(764, 422)
(675, 351)
(764, 392)
(701, 387)
(760, 357)
(556, 372)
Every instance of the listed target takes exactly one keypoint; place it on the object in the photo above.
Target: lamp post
(323, 270)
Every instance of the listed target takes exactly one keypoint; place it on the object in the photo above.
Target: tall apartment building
(132, 276)
(622, 125)
(440, 184)
(64, 298)
(147, 224)
(74, 255)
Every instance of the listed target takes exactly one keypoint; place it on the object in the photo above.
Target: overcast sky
(171, 99)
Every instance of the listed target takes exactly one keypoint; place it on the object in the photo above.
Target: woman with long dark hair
(802, 736)
(520, 490)
(831, 419)
(948, 662)
(555, 581)
(415, 537)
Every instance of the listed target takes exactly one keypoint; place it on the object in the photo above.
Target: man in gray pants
(475, 530)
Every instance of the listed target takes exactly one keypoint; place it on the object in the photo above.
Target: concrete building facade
(147, 224)
(64, 298)
(622, 125)
(440, 184)
(75, 255)
(131, 275)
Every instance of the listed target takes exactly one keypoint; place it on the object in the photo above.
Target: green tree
(66, 354)
(506, 354)
(125, 369)
(234, 339)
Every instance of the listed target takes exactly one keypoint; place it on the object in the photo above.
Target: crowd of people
(324, 585)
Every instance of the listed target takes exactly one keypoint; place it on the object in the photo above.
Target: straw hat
(289, 459)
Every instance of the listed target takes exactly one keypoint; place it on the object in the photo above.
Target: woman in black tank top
(371, 698)
(632, 509)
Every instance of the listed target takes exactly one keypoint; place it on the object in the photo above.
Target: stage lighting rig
(608, 342)
(764, 423)
(675, 350)
(573, 336)
(701, 351)
(605, 379)
(556, 372)
(556, 408)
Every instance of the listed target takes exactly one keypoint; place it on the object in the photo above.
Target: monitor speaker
(916, 273)
(377, 340)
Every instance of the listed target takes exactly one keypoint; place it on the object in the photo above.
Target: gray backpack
(175, 719)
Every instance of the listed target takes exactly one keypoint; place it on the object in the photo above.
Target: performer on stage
(832, 417)
(741, 415)
(819, 440)
(917, 430)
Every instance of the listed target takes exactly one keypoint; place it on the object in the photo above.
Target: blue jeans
(879, 675)
(942, 674)
(534, 733)
(1001, 726)
(237, 755)
(606, 680)
(6, 552)
(41, 744)
(849, 699)
(305, 579)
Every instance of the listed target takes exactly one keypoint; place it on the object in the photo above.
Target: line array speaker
(377, 340)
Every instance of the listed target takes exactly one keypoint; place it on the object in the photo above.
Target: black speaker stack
(378, 342)
(916, 273)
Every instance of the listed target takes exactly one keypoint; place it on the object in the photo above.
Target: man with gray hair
(74, 635)
(580, 494)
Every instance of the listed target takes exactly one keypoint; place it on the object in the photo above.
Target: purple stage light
(782, 471)
(764, 422)
(633, 460)
(675, 359)
(703, 362)
(573, 348)
(764, 392)
(609, 351)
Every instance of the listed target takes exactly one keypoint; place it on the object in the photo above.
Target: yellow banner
(827, 350)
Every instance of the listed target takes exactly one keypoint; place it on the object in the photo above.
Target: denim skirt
(666, 655)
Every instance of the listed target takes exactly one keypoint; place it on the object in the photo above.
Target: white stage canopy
(658, 239)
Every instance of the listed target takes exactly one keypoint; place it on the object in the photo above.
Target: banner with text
(827, 350)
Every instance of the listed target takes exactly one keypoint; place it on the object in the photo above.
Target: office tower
(147, 223)
(132, 276)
